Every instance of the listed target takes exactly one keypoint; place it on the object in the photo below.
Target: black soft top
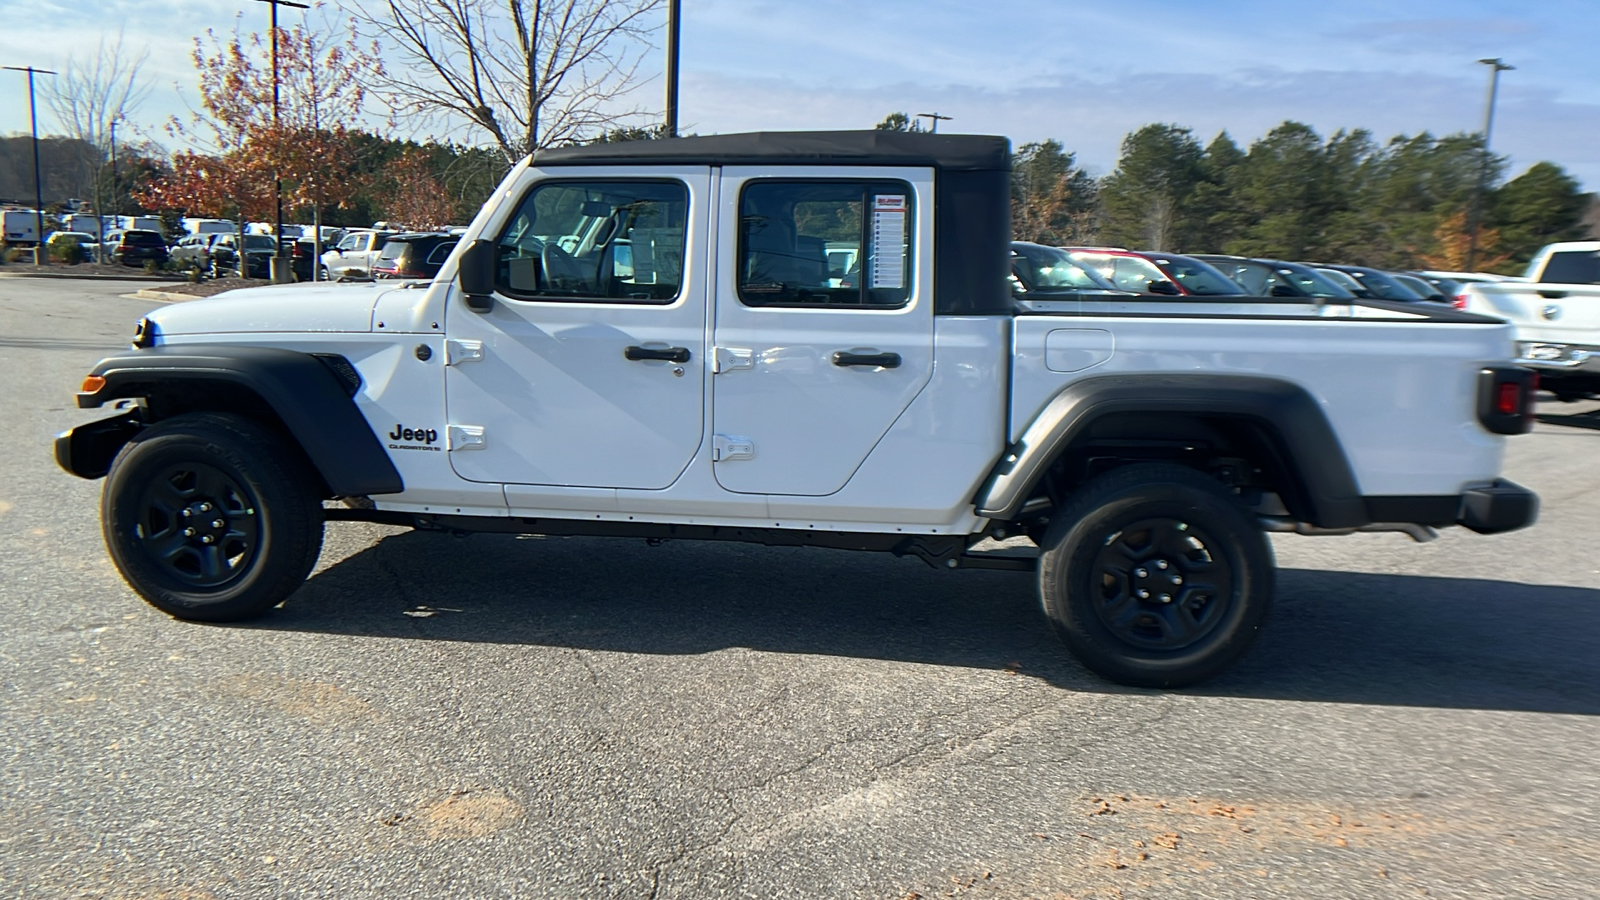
(949, 152)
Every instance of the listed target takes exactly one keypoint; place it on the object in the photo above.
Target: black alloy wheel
(199, 525)
(1155, 575)
(1160, 585)
(212, 517)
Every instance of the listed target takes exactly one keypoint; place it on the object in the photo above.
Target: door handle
(867, 358)
(666, 354)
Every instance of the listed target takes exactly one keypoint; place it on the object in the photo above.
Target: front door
(824, 321)
(589, 369)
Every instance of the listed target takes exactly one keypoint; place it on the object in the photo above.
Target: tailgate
(1553, 313)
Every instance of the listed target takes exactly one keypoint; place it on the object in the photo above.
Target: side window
(825, 243)
(1568, 267)
(596, 241)
(348, 242)
(1255, 279)
(441, 253)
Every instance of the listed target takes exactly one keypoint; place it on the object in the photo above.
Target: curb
(168, 296)
(77, 277)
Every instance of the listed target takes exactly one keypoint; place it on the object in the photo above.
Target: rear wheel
(1155, 576)
(210, 517)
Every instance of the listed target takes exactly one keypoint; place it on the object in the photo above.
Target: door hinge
(726, 446)
(730, 358)
(465, 437)
(458, 351)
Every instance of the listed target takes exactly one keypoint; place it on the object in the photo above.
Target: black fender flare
(1284, 411)
(313, 395)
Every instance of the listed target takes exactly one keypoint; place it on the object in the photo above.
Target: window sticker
(888, 241)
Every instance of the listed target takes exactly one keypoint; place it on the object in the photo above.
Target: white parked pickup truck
(650, 340)
(1555, 309)
(355, 255)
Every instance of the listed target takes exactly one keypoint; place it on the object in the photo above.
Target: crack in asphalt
(978, 748)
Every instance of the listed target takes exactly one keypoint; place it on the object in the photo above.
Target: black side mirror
(476, 271)
(1282, 290)
(1164, 287)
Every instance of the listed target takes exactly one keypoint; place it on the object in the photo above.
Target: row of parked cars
(355, 253)
(1038, 270)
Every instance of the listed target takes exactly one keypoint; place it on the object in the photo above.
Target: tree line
(1294, 194)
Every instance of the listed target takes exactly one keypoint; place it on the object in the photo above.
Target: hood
(282, 308)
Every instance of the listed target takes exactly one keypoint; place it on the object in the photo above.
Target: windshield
(1384, 287)
(1198, 278)
(1418, 286)
(259, 242)
(1048, 269)
(1344, 281)
(1313, 284)
(1128, 273)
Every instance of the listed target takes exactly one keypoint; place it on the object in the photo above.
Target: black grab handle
(669, 354)
(880, 360)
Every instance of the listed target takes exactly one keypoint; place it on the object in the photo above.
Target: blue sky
(1083, 73)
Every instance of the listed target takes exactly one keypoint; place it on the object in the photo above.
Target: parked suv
(413, 255)
(258, 252)
(193, 251)
(135, 246)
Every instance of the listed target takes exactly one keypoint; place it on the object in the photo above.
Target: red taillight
(1508, 402)
(1460, 301)
(1506, 399)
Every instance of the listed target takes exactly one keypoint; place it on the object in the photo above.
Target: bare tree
(91, 95)
(530, 73)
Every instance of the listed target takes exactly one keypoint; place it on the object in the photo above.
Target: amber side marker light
(92, 384)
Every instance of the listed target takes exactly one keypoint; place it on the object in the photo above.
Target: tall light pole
(277, 182)
(100, 214)
(38, 188)
(934, 119)
(1496, 66)
(669, 128)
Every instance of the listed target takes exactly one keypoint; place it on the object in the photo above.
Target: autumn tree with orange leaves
(307, 144)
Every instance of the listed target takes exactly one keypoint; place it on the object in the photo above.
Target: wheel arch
(1277, 420)
(308, 398)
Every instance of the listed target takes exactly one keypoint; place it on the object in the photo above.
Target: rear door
(813, 364)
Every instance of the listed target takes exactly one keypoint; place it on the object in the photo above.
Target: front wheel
(1155, 576)
(211, 517)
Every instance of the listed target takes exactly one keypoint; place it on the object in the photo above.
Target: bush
(152, 267)
(66, 252)
(10, 254)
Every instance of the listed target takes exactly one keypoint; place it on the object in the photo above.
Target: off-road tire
(171, 485)
(1103, 549)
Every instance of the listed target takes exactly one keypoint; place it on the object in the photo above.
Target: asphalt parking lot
(501, 717)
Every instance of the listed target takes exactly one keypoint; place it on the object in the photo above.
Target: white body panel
(1401, 397)
(810, 423)
(275, 309)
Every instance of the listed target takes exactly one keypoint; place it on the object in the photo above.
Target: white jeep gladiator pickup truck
(648, 340)
(1555, 309)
